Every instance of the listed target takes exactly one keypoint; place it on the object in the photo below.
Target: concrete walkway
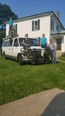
(46, 103)
(60, 60)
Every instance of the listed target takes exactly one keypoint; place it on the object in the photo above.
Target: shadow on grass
(56, 107)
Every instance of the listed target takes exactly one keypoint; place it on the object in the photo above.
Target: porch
(59, 40)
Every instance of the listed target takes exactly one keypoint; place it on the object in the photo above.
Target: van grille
(36, 53)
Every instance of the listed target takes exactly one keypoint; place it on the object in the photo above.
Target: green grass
(62, 58)
(19, 81)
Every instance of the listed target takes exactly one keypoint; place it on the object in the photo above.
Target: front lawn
(19, 81)
(62, 57)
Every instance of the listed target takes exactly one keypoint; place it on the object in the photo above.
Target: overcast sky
(30, 7)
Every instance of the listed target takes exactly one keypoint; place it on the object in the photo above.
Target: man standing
(53, 51)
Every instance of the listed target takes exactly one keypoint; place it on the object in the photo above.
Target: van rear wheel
(4, 56)
(20, 60)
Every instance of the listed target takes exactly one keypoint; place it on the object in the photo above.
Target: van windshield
(33, 42)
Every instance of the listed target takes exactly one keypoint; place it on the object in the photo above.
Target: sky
(24, 8)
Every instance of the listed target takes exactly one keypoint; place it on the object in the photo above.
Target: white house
(47, 23)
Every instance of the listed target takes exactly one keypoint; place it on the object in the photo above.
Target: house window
(57, 28)
(58, 44)
(36, 25)
(52, 25)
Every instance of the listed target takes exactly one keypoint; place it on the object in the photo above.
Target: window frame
(57, 28)
(52, 24)
(36, 27)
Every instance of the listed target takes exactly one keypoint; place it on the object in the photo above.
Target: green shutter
(16, 28)
(38, 24)
(32, 25)
(51, 24)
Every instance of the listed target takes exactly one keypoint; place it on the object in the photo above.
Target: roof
(59, 33)
(34, 16)
(38, 16)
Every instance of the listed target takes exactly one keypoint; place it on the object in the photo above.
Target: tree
(5, 14)
(2, 35)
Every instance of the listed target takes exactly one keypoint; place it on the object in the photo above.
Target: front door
(58, 43)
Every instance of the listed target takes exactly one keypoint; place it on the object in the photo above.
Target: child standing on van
(10, 25)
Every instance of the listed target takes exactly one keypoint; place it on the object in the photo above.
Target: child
(43, 41)
(26, 43)
(10, 25)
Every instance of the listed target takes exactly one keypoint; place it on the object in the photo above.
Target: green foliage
(2, 35)
(63, 54)
(5, 14)
(62, 57)
(0, 51)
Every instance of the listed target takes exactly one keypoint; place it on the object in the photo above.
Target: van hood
(35, 47)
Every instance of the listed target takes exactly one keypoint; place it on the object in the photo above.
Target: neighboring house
(47, 23)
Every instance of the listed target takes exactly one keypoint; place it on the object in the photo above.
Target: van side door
(15, 48)
(10, 47)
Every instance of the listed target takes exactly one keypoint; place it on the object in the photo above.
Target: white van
(13, 48)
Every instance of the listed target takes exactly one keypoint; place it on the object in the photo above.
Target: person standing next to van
(10, 25)
(26, 43)
(43, 41)
(53, 51)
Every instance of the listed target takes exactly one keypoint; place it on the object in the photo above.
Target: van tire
(20, 60)
(4, 56)
(33, 62)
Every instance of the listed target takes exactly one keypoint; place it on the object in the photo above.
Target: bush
(0, 51)
(63, 54)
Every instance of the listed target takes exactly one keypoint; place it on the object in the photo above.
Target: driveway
(46, 103)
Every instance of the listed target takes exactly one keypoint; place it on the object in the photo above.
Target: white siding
(63, 44)
(24, 27)
(56, 23)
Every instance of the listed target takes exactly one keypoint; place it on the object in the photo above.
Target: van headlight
(21, 50)
(42, 52)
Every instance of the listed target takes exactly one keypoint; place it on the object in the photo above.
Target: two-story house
(47, 23)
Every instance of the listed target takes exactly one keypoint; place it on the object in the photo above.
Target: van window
(15, 42)
(20, 41)
(5, 43)
(34, 42)
(10, 41)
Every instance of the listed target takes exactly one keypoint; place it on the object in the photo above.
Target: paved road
(46, 103)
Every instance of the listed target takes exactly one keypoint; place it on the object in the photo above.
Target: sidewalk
(46, 103)
(60, 60)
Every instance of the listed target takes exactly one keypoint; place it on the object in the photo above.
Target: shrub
(0, 51)
(63, 54)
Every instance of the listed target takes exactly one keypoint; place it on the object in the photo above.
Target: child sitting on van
(26, 43)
